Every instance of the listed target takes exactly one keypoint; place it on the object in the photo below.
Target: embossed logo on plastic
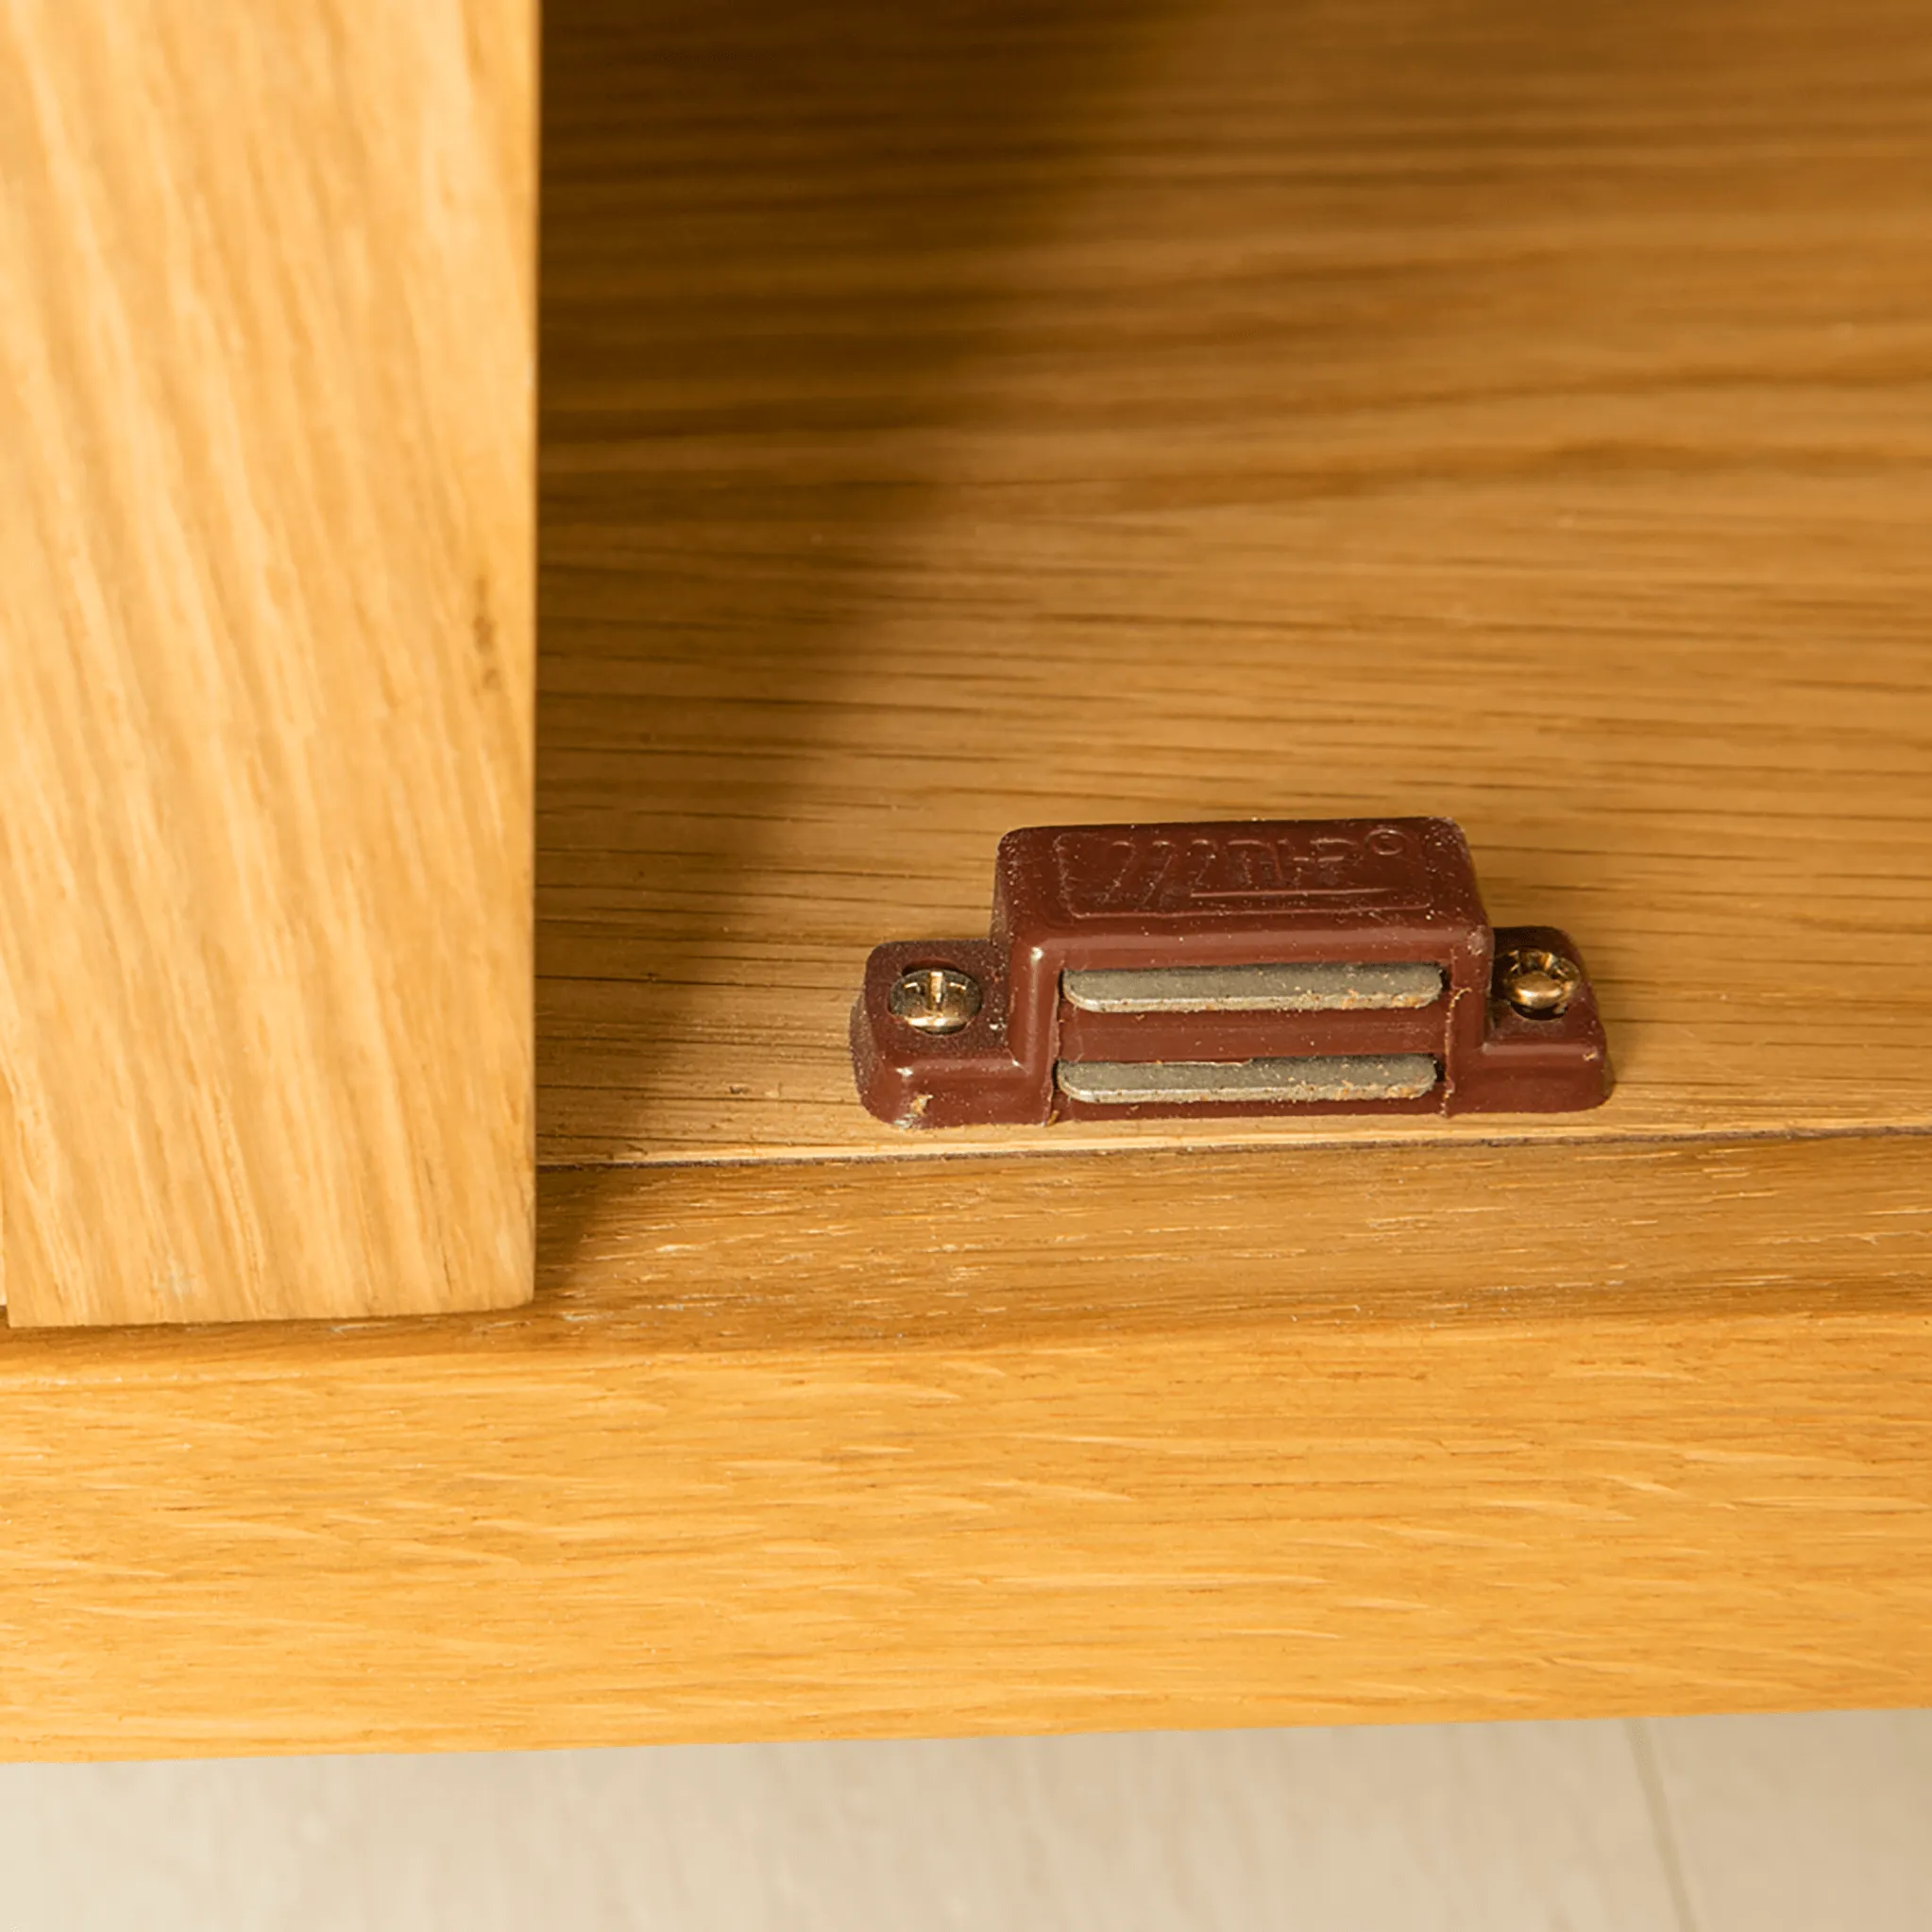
(1155, 874)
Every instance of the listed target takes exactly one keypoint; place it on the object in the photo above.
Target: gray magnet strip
(1303, 988)
(1319, 1076)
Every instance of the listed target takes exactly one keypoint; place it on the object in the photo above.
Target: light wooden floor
(1701, 1824)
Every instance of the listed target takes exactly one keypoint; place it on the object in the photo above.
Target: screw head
(1539, 984)
(934, 999)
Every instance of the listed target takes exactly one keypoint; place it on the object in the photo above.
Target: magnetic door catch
(1242, 967)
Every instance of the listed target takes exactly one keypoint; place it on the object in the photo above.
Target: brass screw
(1539, 984)
(934, 999)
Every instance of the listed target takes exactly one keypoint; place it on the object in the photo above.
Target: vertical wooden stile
(267, 657)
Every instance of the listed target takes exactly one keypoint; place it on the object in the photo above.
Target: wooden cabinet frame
(1063, 414)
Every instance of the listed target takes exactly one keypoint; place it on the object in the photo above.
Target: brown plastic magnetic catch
(1248, 967)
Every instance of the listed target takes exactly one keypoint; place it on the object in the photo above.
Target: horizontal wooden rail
(1019, 1444)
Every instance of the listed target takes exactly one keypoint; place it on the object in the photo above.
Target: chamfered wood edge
(830, 1253)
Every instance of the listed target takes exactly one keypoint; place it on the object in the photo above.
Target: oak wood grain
(959, 420)
(1083, 412)
(266, 451)
(1140, 1440)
